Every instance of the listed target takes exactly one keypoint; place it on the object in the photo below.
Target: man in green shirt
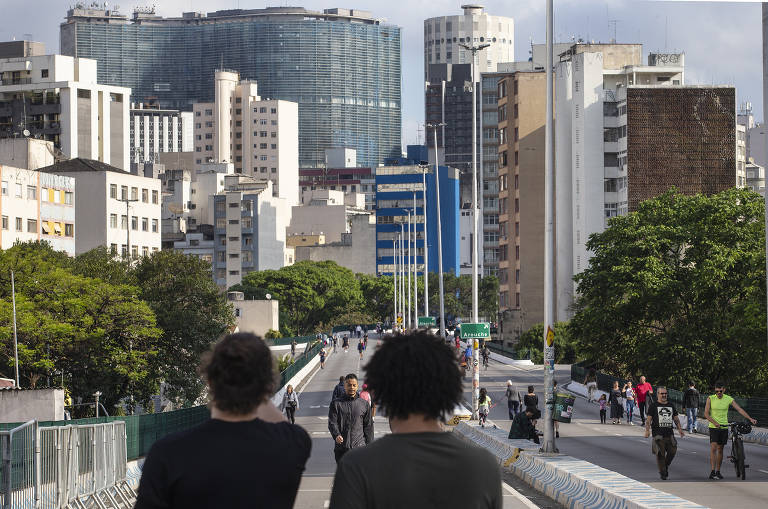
(716, 412)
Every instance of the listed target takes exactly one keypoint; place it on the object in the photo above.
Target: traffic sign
(425, 321)
(399, 319)
(475, 330)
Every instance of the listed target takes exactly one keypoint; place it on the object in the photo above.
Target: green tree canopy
(676, 291)
(533, 340)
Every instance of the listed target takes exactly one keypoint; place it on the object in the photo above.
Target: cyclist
(486, 354)
(716, 412)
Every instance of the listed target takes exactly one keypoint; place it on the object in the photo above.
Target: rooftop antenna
(613, 22)
(666, 33)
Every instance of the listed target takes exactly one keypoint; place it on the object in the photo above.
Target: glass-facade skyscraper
(342, 66)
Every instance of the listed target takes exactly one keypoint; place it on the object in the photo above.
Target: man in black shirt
(349, 419)
(245, 456)
(661, 415)
(691, 406)
(438, 469)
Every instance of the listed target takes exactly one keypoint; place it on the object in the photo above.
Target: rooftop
(80, 164)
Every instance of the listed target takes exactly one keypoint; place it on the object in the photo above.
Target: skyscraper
(341, 66)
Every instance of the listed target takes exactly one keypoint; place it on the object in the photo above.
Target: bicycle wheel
(738, 456)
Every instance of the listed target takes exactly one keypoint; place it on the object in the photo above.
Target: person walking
(691, 406)
(349, 420)
(293, 348)
(335, 342)
(591, 382)
(716, 412)
(366, 395)
(603, 402)
(513, 400)
(359, 330)
(555, 422)
(338, 390)
(360, 347)
(212, 464)
(486, 355)
(642, 391)
(629, 398)
(661, 415)
(345, 343)
(438, 469)
(290, 404)
(483, 406)
(615, 400)
(322, 358)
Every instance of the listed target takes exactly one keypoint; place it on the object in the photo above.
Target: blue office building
(396, 186)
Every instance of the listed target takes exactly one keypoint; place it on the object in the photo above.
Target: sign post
(426, 321)
(473, 333)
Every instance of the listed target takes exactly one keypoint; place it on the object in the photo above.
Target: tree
(348, 318)
(377, 296)
(457, 296)
(190, 310)
(532, 340)
(676, 291)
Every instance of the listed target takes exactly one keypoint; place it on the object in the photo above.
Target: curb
(575, 483)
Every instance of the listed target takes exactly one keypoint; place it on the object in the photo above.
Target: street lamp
(394, 280)
(435, 126)
(127, 202)
(475, 241)
(424, 168)
(415, 269)
(408, 251)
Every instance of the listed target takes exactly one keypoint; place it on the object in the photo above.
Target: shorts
(718, 436)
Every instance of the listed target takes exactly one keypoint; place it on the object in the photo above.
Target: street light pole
(439, 234)
(15, 338)
(394, 281)
(426, 240)
(415, 269)
(548, 444)
(127, 201)
(408, 266)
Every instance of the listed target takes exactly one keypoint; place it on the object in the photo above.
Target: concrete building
(27, 153)
(261, 137)
(249, 229)
(350, 181)
(254, 316)
(37, 206)
(343, 66)
(197, 244)
(353, 252)
(114, 208)
(756, 177)
(444, 34)
(155, 131)
(58, 98)
(326, 212)
(626, 134)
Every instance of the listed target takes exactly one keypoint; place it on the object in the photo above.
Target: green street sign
(475, 330)
(425, 321)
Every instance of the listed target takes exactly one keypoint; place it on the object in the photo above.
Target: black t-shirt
(531, 401)
(438, 470)
(248, 464)
(662, 418)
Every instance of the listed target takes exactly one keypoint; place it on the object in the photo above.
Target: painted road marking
(517, 495)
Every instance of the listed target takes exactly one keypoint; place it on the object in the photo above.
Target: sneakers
(718, 474)
(664, 474)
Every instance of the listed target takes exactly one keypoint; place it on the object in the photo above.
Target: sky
(721, 40)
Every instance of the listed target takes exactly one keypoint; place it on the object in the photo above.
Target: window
(154, 196)
(247, 223)
(234, 221)
(273, 111)
(113, 249)
(44, 73)
(69, 197)
(208, 113)
(124, 251)
(221, 256)
(113, 220)
(5, 222)
(154, 226)
(32, 225)
(263, 109)
(18, 224)
(123, 192)
(262, 145)
(18, 191)
(144, 224)
(145, 195)
(134, 223)
(263, 134)
(247, 256)
(134, 251)
(234, 272)
(69, 230)
(124, 222)
(135, 193)
(31, 193)
(145, 251)
(5, 188)
(274, 134)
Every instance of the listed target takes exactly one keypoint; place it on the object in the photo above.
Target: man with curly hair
(415, 379)
(246, 449)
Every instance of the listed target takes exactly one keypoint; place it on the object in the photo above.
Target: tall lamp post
(434, 127)
(408, 254)
(394, 281)
(424, 168)
(15, 338)
(127, 202)
(415, 269)
(475, 242)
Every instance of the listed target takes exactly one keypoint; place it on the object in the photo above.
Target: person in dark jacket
(522, 426)
(338, 391)
(691, 405)
(349, 420)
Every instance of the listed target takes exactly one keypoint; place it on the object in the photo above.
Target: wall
(26, 153)
(256, 316)
(331, 220)
(24, 405)
(358, 255)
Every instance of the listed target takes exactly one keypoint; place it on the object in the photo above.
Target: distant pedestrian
(338, 390)
(603, 402)
(360, 348)
(691, 406)
(513, 400)
(322, 358)
(293, 348)
(531, 400)
(591, 382)
(418, 464)
(290, 403)
(212, 464)
(345, 343)
(615, 400)
(349, 420)
(483, 406)
(335, 342)
(486, 354)
(523, 426)
(359, 330)
(629, 397)
(642, 390)
(661, 415)
(366, 395)
(365, 341)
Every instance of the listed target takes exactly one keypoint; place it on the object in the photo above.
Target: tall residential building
(261, 137)
(444, 34)
(343, 66)
(155, 131)
(628, 134)
(113, 208)
(59, 99)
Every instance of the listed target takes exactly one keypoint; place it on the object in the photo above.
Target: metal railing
(64, 466)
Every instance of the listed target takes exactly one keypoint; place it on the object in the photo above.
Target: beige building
(261, 137)
(522, 117)
(354, 251)
(255, 316)
(326, 212)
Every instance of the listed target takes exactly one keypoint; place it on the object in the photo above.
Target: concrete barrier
(575, 483)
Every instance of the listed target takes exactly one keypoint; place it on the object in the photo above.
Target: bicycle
(485, 362)
(737, 457)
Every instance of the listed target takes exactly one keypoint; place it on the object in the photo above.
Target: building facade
(259, 137)
(58, 98)
(342, 66)
(155, 131)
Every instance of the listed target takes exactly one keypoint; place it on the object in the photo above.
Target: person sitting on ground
(212, 464)
(396, 375)
(522, 425)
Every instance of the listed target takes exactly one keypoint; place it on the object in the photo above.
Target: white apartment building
(756, 178)
(155, 131)
(326, 212)
(58, 98)
(114, 208)
(741, 155)
(444, 34)
(260, 136)
(37, 206)
(187, 197)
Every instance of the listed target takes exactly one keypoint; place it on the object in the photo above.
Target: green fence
(757, 408)
(508, 352)
(288, 341)
(300, 361)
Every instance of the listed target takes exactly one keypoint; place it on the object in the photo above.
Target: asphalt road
(622, 448)
(312, 415)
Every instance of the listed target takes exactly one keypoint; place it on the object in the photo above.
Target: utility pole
(765, 115)
(475, 241)
(415, 269)
(408, 265)
(15, 338)
(128, 202)
(548, 445)
(426, 239)
(439, 233)
(394, 281)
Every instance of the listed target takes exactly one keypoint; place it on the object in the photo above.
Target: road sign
(550, 336)
(475, 330)
(399, 319)
(425, 321)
